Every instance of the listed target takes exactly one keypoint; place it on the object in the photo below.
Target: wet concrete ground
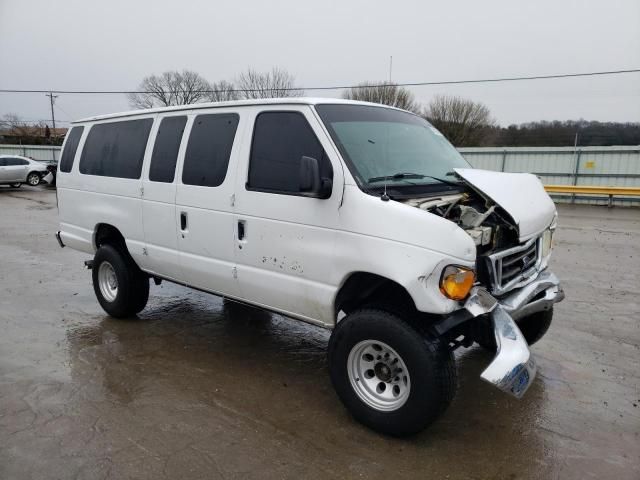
(200, 388)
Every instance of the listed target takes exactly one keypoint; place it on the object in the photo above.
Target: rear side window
(70, 148)
(14, 162)
(280, 140)
(116, 149)
(3, 162)
(209, 148)
(165, 150)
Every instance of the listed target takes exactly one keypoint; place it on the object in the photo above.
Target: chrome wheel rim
(378, 375)
(107, 281)
(33, 179)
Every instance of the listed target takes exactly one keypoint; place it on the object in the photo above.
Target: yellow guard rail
(595, 190)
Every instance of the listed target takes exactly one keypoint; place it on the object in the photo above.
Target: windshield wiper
(404, 175)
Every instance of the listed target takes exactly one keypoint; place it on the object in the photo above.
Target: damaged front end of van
(512, 221)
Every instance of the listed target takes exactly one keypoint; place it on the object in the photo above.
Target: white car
(353, 216)
(16, 170)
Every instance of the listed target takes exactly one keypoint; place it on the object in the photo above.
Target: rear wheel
(390, 377)
(33, 179)
(15, 185)
(121, 288)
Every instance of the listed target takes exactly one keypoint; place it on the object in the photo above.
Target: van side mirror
(310, 181)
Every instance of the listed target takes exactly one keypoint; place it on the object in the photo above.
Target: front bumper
(514, 368)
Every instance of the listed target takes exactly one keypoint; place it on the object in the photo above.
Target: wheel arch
(361, 288)
(105, 233)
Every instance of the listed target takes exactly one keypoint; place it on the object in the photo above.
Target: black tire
(430, 364)
(132, 284)
(31, 179)
(15, 185)
(533, 327)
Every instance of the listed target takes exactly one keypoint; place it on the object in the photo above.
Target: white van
(353, 216)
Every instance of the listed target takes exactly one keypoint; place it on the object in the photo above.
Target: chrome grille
(514, 266)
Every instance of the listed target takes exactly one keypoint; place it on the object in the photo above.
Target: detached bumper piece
(514, 368)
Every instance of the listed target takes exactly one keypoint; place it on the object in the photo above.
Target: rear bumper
(514, 368)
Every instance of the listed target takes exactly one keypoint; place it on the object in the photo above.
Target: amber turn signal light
(456, 282)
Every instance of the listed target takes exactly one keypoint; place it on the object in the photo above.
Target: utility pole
(576, 170)
(52, 98)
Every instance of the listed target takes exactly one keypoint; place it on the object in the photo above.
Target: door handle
(183, 221)
(241, 230)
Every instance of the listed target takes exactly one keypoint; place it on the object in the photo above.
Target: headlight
(456, 282)
(547, 242)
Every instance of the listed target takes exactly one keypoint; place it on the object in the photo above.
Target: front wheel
(121, 288)
(390, 377)
(33, 179)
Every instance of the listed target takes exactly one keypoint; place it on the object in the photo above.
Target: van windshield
(386, 146)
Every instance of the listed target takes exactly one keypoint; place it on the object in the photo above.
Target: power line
(343, 87)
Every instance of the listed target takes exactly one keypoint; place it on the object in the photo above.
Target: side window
(3, 162)
(280, 140)
(116, 149)
(14, 162)
(209, 148)
(70, 148)
(165, 150)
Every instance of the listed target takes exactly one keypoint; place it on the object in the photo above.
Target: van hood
(521, 195)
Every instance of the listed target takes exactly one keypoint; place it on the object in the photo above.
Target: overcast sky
(112, 45)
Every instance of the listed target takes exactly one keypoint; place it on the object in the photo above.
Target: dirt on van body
(200, 388)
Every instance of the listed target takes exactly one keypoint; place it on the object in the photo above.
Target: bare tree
(384, 93)
(222, 91)
(464, 122)
(12, 122)
(170, 88)
(274, 84)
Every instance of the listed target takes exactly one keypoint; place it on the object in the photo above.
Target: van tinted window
(165, 150)
(209, 148)
(116, 149)
(280, 140)
(70, 148)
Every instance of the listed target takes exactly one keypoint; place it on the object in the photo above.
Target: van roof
(235, 103)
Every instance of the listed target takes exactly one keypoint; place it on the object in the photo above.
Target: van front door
(204, 203)
(285, 240)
